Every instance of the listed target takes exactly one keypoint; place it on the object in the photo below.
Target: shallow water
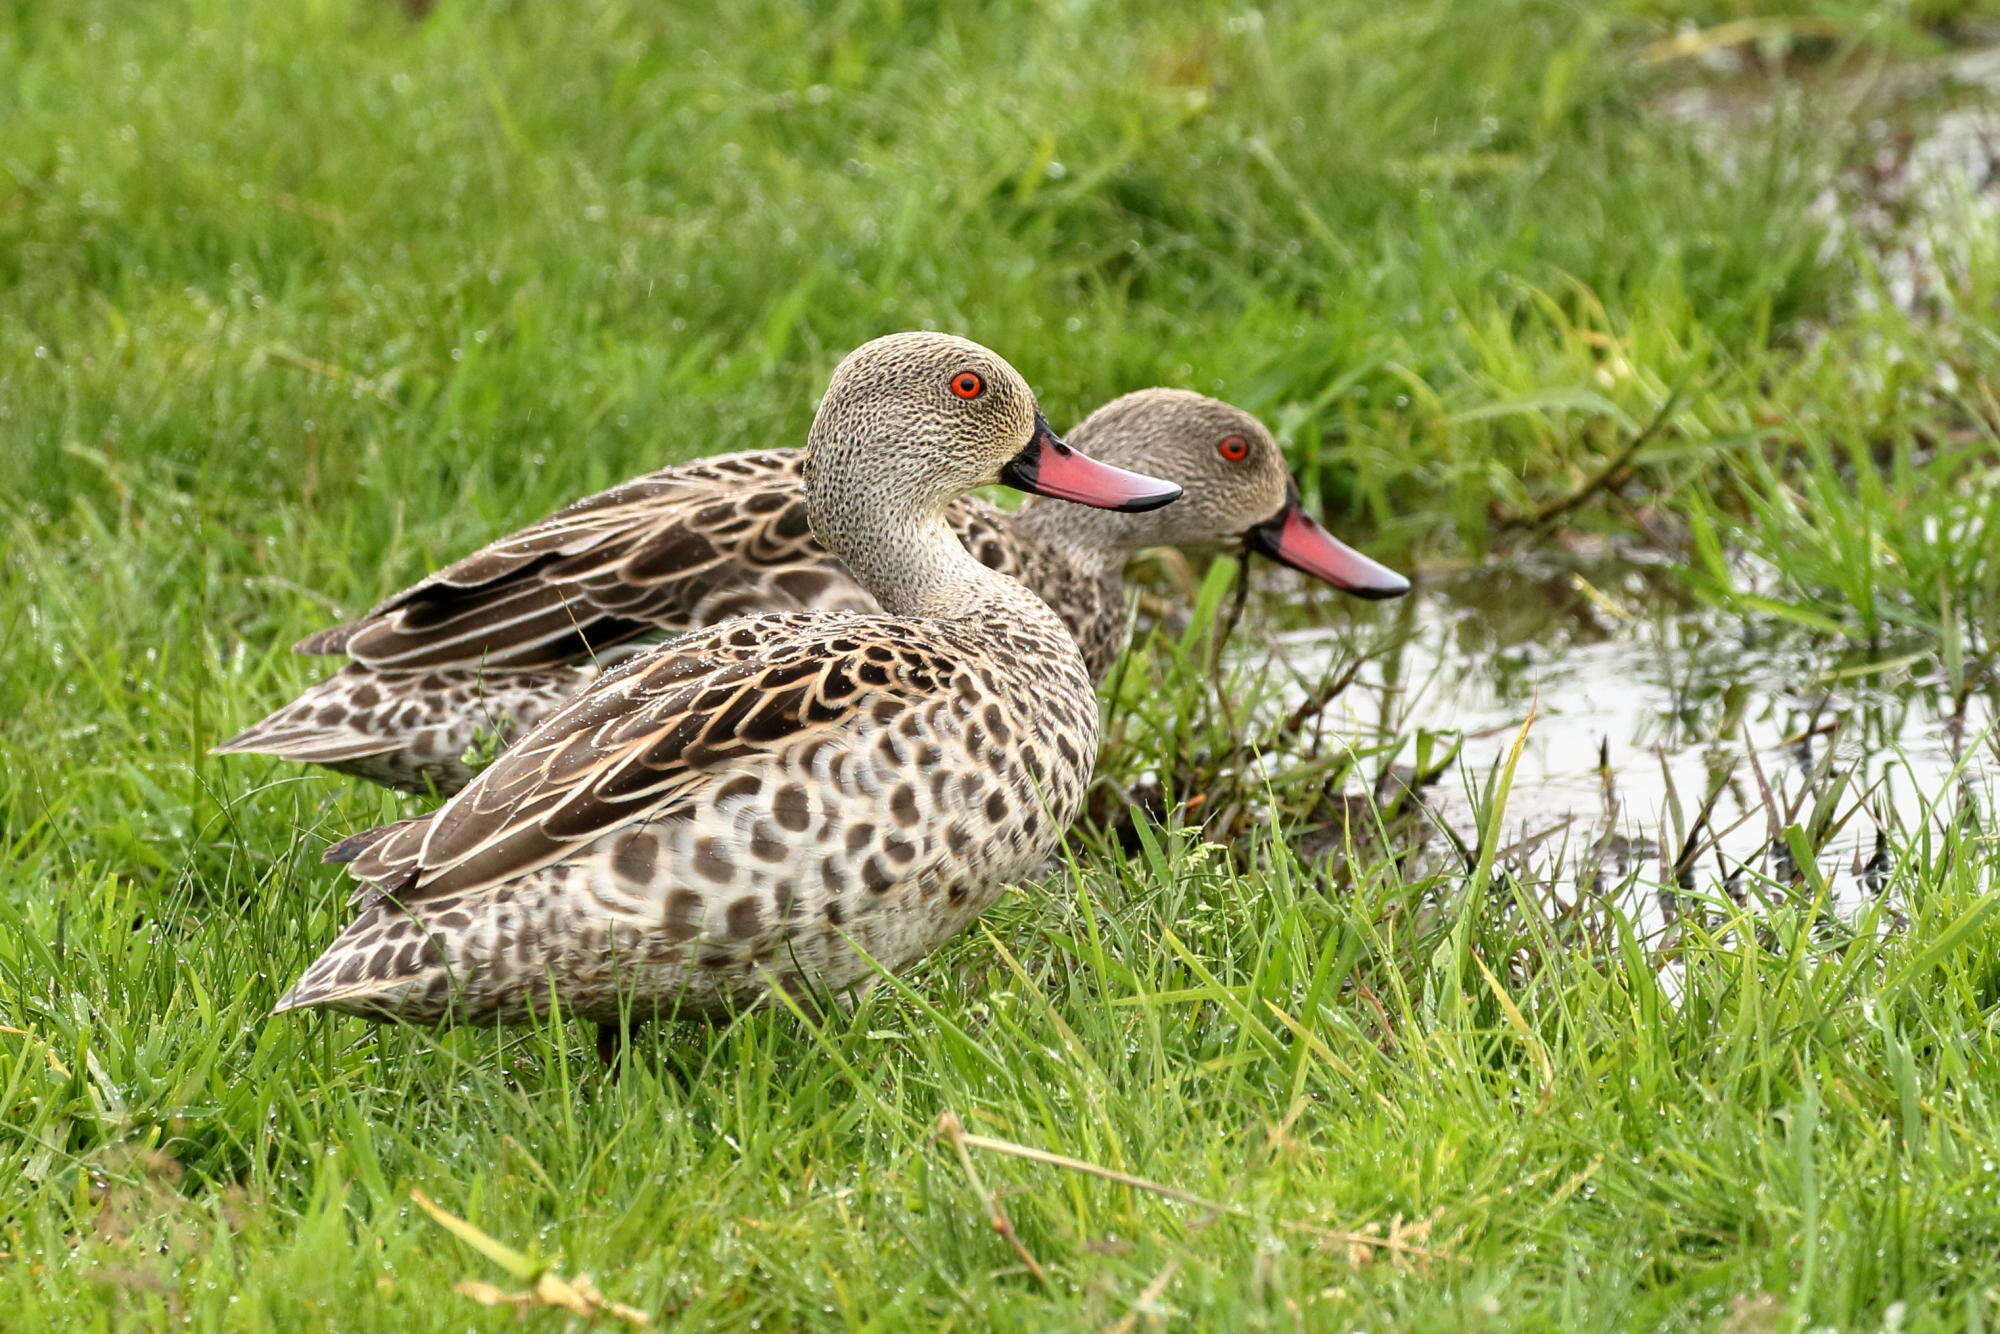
(1643, 702)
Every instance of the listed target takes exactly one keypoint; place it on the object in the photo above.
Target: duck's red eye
(1234, 448)
(968, 384)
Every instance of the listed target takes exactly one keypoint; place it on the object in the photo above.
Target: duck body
(791, 799)
(887, 819)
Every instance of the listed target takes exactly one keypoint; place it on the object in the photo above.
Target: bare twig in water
(951, 1128)
(1616, 471)
(953, 1131)
(1322, 695)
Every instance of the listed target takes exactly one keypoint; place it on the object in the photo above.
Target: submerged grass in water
(301, 299)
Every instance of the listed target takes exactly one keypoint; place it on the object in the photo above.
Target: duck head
(919, 419)
(1238, 486)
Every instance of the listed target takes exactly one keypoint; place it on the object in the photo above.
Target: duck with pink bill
(467, 658)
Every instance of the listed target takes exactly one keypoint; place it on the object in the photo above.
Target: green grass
(298, 299)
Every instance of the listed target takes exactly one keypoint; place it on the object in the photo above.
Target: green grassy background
(299, 297)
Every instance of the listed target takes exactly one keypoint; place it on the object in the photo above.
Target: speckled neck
(893, 537)
(911, 562)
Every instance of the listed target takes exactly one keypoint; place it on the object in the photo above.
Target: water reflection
(1675, 751)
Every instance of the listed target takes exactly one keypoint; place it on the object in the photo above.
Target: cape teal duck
(776, 799)
(466, 659)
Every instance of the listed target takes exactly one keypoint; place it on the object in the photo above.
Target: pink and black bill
(1048, 467)
(1292, 537)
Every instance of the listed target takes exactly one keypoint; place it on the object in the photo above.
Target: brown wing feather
(609, 568)
(650, 733)
(637, 559)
